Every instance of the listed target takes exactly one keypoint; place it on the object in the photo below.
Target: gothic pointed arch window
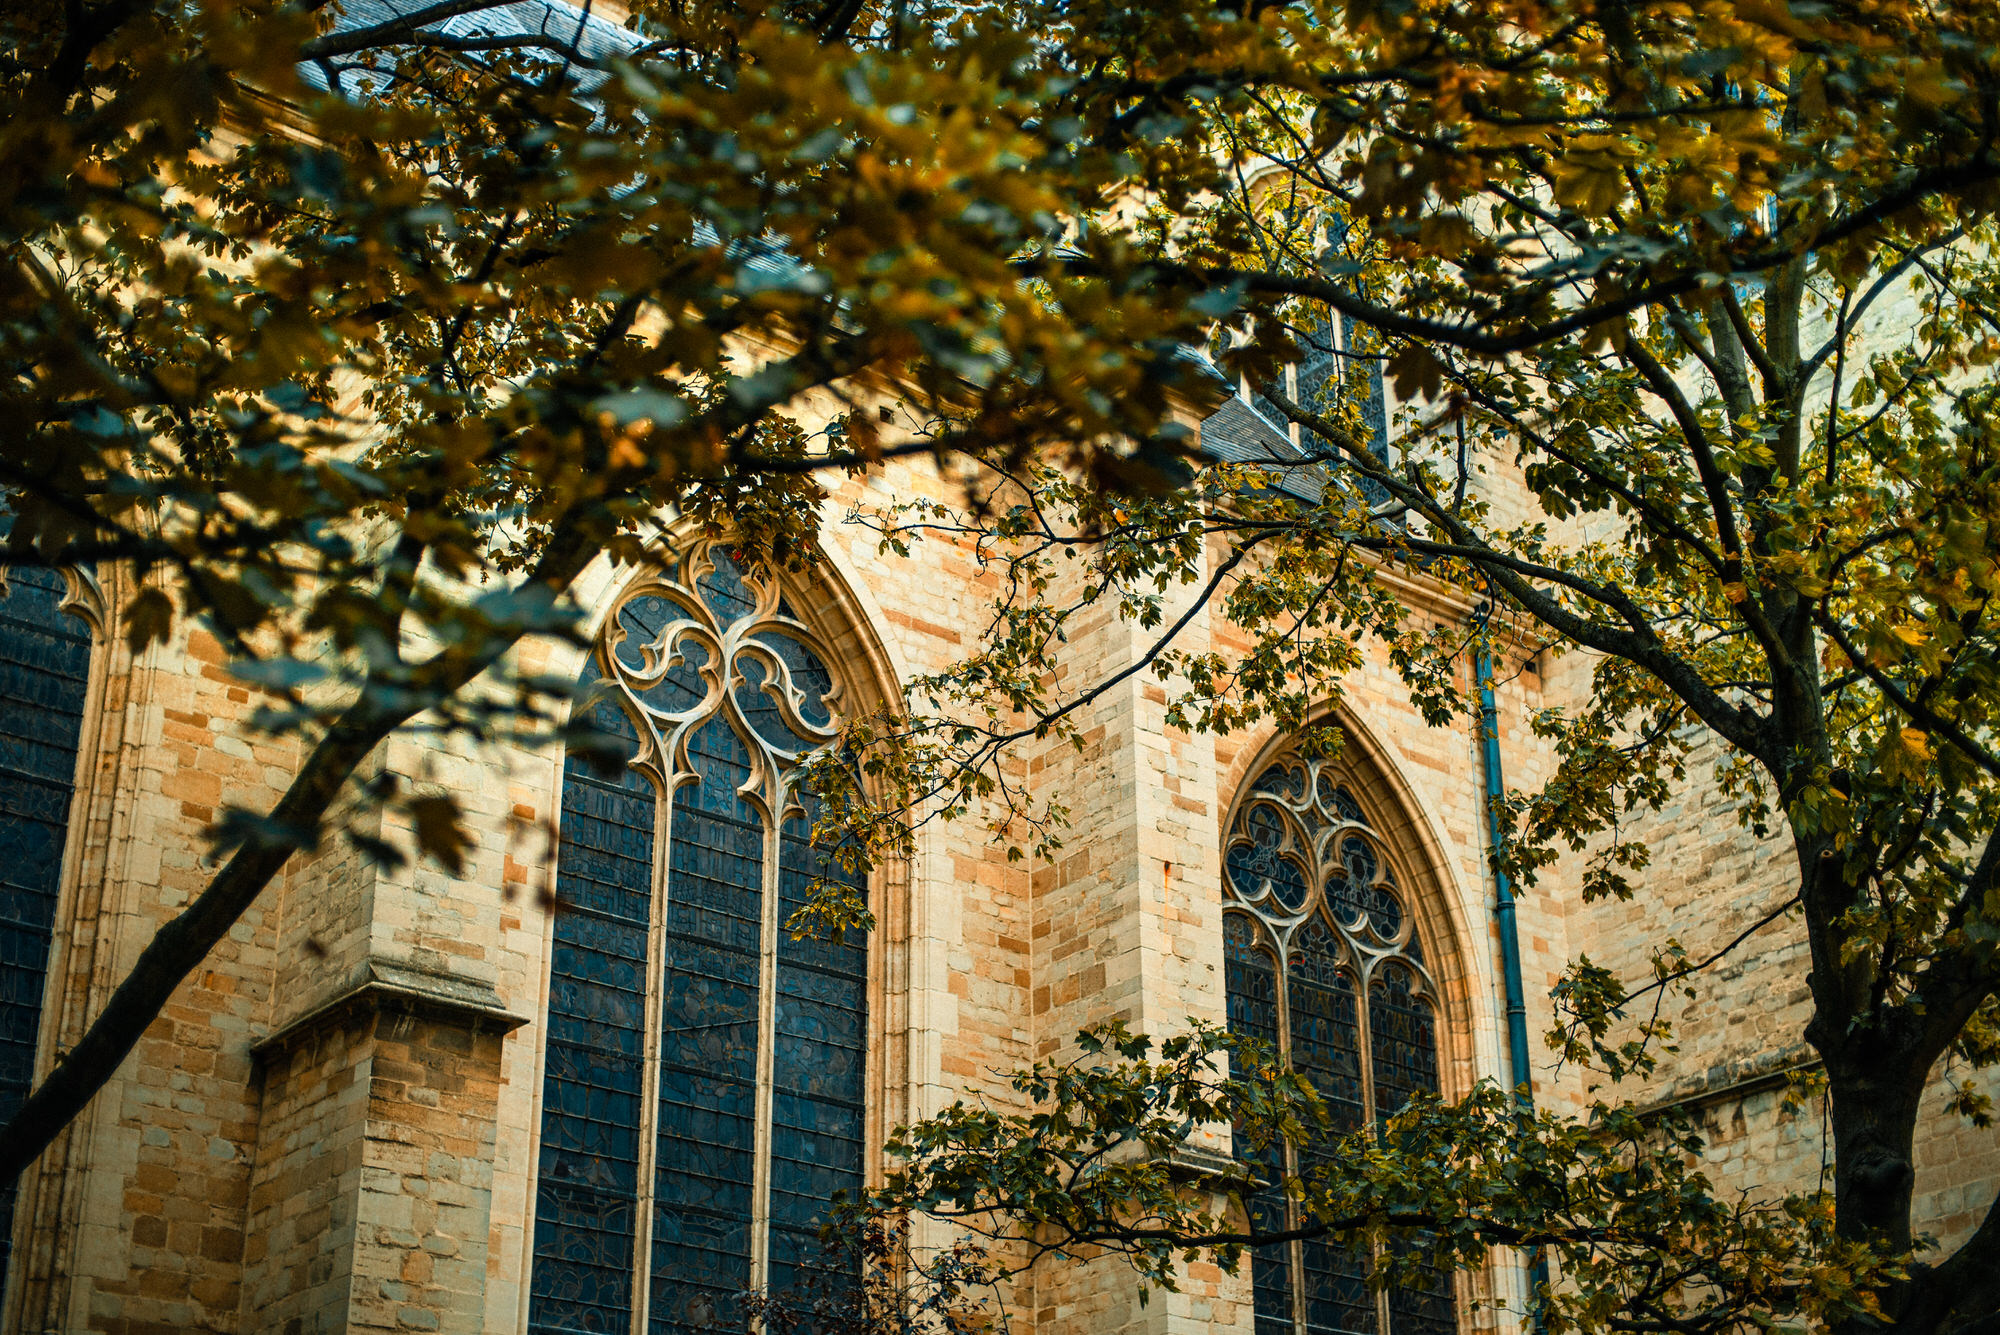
(703, 1092)
(46, 619)
(1324, 963)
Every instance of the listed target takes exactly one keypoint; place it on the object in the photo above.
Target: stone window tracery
(1324, 964)
(703, 1090)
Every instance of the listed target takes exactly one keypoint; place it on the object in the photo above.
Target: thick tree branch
(1473, 336)
(1914, 710)
(390, 32)
(1636, 641)
(1963, 1290)
(179, 946)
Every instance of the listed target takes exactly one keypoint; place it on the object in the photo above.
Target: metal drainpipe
(1510, 939)
(1503, 889)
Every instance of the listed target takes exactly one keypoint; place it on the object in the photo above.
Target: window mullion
(1365, 1044)
(649, 1063)
(1294, 1215)
(767, 1029)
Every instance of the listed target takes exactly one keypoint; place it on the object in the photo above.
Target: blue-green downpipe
(1510, 938)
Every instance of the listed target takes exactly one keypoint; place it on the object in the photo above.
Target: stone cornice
(1733, 1080)
(385, 988)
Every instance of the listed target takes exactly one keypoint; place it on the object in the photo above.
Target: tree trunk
(1873, 1098)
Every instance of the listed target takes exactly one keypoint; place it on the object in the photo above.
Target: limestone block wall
(371, 1204)
(134, 1220)
(334, 1126)
(307, 1182)
(1127, 925)
(1710, 880)
(424, 1217)
(961, 957)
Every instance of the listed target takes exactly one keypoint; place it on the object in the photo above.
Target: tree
(1645, 256)
(362, 334)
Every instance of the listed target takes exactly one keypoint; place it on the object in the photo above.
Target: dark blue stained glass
(1357, 902)
(706, 1297)
(1344, 900)
(760, 707)
(1323, 1039)
(1251, 983)
(1327, 373)
(809, 674)
(1265, 826)
(1359, 893)
(708, 1038)
(1336, 1290)
(1282, 780)
(1335, 802)
(1375, 407)
(1405, 1041)
(1424, 1305)
(1385, 911)
(641, 622)
(1259, 863)
(705, 1052)
(1404, 1036)
(586, 1198)
(820, 1071)
(725, 591)
(1288, 881)
(44, 672)
(583, 1261)
(1359, 859)
(1239, 863)
(644, 620)
(1326, 1049)
(1318, 372)
(1326, 1034)
(804, 1270)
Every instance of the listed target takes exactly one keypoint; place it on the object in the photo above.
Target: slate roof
(596, 38)
(1236, 433)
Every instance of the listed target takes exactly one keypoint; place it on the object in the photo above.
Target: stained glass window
(1323, 963)
(44, 669)
(703, 1094)
(1329, 369)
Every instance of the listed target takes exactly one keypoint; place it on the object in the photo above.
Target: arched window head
(1323, 963)
(703, 1091)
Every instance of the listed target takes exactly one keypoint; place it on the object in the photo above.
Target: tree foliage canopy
(359, 331)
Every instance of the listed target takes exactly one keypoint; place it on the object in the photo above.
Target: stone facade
(334, 1124)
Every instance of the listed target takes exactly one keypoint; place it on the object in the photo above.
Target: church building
(591, 1084)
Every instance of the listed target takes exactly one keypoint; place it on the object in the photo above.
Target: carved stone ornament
(706, 637)
(1301, 861)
